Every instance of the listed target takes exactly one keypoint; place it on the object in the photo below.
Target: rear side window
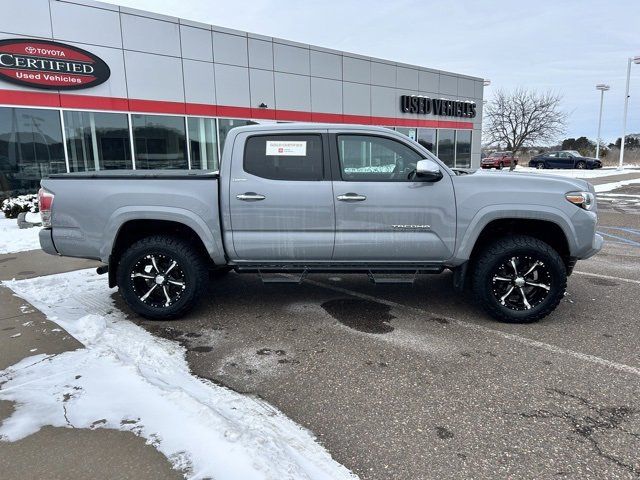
(284, 157)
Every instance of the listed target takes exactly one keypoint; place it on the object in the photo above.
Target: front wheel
(581, 165)
(540, 165)
(519, 279)
(162, 277)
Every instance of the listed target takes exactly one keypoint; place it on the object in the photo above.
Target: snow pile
(11, 207)
(14, 239)
(129, 380)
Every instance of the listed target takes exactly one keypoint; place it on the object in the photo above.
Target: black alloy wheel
(519, 279)
(162, 277)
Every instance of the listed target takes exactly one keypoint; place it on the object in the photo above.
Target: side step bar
(281, 277)
(379, 278)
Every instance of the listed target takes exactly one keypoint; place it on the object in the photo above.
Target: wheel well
(134, 230)
(549, 232)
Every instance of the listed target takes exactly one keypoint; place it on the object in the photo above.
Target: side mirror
(428, 170)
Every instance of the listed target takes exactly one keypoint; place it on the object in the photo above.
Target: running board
(297, 269)
(277, 277)
(380, 278)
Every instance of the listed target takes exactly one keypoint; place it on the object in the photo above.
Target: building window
(97, 141)
(160, 142)
(226, 124)
(427, 138)
(409, 132)
(375, 159)
(203, 143)
(284, 157)
(446, 144)
(463, 148)
(30, 148)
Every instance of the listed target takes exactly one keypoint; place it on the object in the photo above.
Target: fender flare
(488, 214)
(186, 217)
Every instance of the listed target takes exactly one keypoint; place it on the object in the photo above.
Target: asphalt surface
(415, 381)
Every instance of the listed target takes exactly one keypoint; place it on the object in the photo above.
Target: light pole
(603, 88)
(635, 60)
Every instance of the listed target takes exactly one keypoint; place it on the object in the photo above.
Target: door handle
(351, 197)
(250, 197)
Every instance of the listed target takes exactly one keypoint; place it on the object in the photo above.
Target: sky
(565, 46)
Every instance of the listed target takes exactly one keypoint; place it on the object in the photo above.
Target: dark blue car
(564, 159)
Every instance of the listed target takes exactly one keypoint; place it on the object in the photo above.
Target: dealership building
(91, 86)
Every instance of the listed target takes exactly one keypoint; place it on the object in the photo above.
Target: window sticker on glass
(286, 149)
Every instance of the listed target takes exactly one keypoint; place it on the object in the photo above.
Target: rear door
(382, 215)
(281, 198)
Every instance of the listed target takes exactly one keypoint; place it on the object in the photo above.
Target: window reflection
(427, 138)
(30, 148)
(97, 141)
(203, 143)
(463, 148)
(446, 142)
(160, 142)
(226, 124)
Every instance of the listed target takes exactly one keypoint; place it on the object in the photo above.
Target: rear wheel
(519, 279)
(500, 166)
(162, 277)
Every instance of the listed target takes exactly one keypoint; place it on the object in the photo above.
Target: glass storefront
(203, 143)
(30, 148)
(427, 138)
(446, 146)
(97, 141)
(160, 142)
(32, 144)
(226, 124)
(463, 149)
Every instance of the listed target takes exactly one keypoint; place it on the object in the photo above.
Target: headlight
(584, 200)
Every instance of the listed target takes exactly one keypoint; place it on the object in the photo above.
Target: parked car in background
(499, 160)
(564, 159)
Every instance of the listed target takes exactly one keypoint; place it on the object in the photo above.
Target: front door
(281, 199)
(383, 215)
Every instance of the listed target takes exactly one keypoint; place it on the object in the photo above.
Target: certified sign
(50, 65)
(287, 149)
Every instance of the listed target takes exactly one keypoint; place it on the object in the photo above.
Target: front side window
(284, 157)
(97, 141)
(367, 158)
(160, 141)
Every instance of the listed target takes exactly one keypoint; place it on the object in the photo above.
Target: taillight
(45, 202)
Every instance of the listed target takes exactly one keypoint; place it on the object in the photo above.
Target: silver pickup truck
(303, 198)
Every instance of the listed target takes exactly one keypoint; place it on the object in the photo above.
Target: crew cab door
(281, 198)
(381, 214)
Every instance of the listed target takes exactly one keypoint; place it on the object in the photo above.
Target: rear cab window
(284, 157)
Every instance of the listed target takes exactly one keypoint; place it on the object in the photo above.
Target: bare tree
(523, 118)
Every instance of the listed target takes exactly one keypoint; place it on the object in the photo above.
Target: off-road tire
(190, 260)
(495, 254)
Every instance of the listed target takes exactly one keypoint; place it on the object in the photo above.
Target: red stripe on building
(88, 102)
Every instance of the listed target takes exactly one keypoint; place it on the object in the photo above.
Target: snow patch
(607, 187)
(129, 380)
(14, 239)
(579, 173)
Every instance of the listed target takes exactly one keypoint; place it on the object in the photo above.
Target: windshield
(496, 154)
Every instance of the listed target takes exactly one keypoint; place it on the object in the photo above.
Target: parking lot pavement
(414, 381)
